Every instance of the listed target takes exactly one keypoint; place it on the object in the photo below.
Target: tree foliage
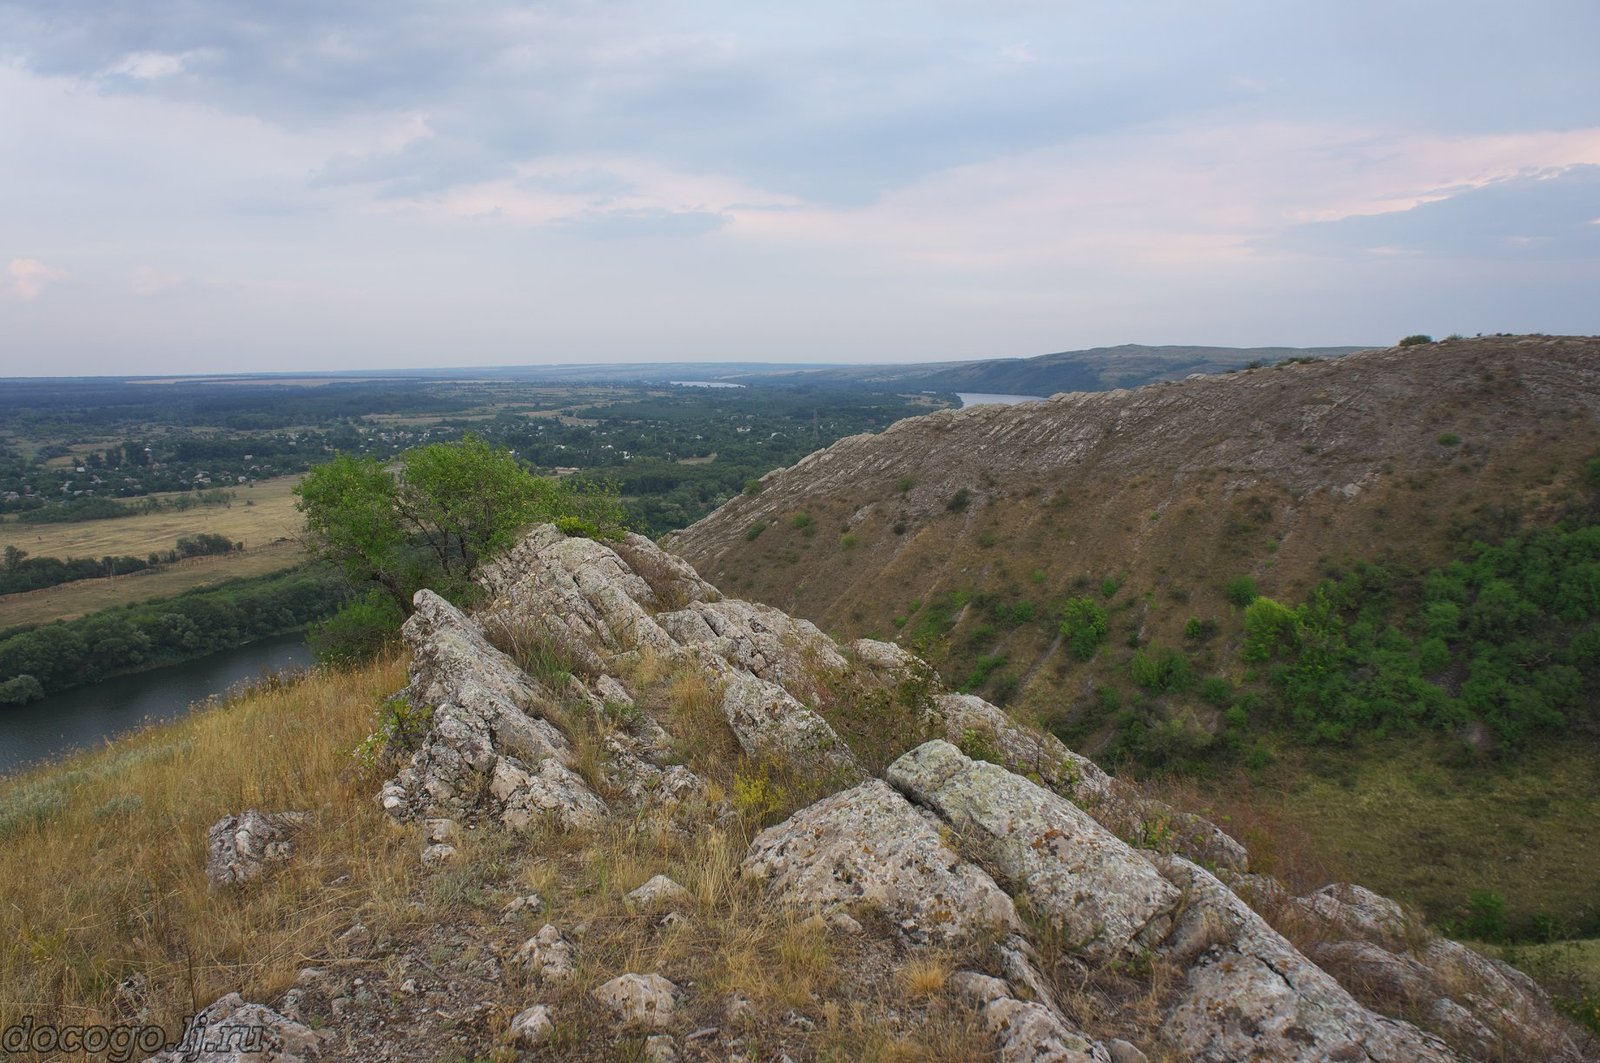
(435, 520)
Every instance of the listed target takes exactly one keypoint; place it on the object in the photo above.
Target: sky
(218, 185)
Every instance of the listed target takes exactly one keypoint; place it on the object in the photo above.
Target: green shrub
(19, 690)
(358, 632)
(802, 521)
(1416, 341)
(1084, 625)
(1198, 630)
(1449, 439)
(904, 484)
(1241, 591)
(1110, 586)
(1270, 630)
(959, 501)
(752, 487)
(1215, 690)
(1164, 671)
(753, 532)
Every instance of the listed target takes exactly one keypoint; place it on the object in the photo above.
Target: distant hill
(1095, 369)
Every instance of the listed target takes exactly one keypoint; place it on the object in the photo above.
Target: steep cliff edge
(833, 859)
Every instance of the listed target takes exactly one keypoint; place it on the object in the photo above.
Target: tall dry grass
(107, 911)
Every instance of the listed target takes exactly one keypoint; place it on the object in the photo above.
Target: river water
(87, 716)
(977, 398)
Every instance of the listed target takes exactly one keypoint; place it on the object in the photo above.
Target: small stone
(548, 956)
(441, 831)
(799, 1022)
(673, 921)
(527, 904)
(1121, 1051)
(845, 923)
(644, 1000)
(532, 1027)
(409, 987)
(660, 1048)
(978, 989)
(659, 891)
(738, 1009)
(434, 855)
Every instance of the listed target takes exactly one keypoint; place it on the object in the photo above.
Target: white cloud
(29, 277)
(147, 280)
(153, 66)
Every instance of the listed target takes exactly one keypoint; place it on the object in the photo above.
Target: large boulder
(771, 724)
(1105, 898)
(1249, 994)
(868, 847)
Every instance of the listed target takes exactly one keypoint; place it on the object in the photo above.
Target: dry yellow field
(72, 600)
(259, 515)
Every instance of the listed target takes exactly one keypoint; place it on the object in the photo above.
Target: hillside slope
(963, 533)
(631, 818)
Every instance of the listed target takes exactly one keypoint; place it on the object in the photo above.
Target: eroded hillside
(964, 534)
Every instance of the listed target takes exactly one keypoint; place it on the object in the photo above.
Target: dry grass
(103, 857)
(71, 600)
(732, 944)
(269, 515)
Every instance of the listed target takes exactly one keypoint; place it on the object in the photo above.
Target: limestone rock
(769, 722)
(868, 846)
(883, 656)
(1126, 813)
(241, 848)
(758, 639)
(639, 1000)
(486, 731)
(1032, 1033)
(548, 956)
(532, 1027)
(1481, 1006)
(551, 790)
(232, 1031)
(659, 891)
(1250, 994)
(517, 907)
(576, 594)
(1104, 897)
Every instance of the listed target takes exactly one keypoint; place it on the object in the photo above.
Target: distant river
(980, 398)
(85, 717)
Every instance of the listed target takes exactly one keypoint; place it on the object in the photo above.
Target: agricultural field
(257, 516)
(72, 600)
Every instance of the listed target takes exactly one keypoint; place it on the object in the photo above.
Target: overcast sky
(205, 185)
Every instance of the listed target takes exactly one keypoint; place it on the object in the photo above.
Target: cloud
(152, 66)
(29, 278)
(147, 281)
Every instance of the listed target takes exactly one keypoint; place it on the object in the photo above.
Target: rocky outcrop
(1249, 994)
(994, 842)
(244, 847)
(1473, 1002)
(489, 734)
(1104, 898)
(868, 847)
(771, 724)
